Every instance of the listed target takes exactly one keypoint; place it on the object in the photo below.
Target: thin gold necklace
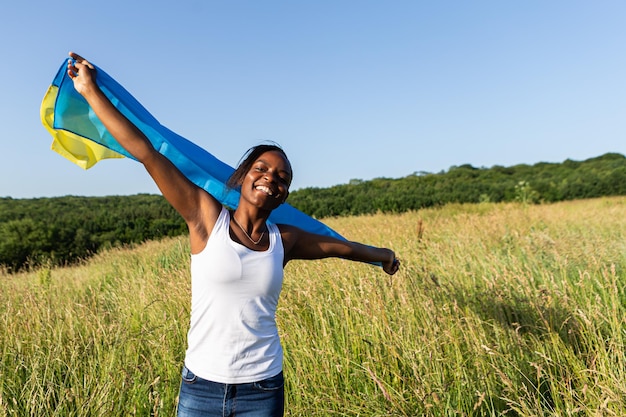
(256, 243)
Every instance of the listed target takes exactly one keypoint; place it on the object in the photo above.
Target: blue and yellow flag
(79, 136)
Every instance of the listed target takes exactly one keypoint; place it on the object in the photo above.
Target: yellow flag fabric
(81, 151)
(79, 136)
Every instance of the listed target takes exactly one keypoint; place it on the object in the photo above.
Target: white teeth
(264, 189)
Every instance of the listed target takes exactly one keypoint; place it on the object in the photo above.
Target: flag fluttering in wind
(79, 136)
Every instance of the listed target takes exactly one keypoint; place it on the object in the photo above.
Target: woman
(233, 362)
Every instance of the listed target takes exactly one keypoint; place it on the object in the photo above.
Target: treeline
(541, 182)
(63, 230)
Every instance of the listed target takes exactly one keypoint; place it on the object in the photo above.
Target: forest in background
(542, 182)
(64, 230)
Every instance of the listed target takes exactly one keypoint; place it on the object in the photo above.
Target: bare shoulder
(288, 231)
(289, 235)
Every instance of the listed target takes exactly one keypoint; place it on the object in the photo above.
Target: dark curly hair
(248, 159)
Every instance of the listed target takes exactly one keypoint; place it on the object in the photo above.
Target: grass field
(499, 309)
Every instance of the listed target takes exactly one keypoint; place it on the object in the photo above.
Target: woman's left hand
(392, 265)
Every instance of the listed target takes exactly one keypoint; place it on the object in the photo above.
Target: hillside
(64, 230)
(541, 182)
(498, 310)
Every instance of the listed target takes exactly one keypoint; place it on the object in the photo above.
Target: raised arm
(193, 203)
(299, 244)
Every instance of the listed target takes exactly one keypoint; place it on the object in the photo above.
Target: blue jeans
(199, 397)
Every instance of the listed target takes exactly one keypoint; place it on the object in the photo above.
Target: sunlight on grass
(499, 309)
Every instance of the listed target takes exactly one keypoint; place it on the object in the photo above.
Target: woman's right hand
(81, 72)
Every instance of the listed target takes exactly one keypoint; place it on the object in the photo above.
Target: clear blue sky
(351, 89)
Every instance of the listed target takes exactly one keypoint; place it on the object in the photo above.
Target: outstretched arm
(188, 199)
(304, 245)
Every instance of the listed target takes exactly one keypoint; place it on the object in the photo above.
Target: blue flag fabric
(80, 137)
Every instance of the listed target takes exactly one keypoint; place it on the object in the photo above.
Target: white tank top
(234, 294)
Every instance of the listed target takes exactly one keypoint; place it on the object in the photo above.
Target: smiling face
(266, 184)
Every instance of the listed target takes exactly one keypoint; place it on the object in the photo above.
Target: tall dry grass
(499, 309)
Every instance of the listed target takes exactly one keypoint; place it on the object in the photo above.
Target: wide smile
(267, 190)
